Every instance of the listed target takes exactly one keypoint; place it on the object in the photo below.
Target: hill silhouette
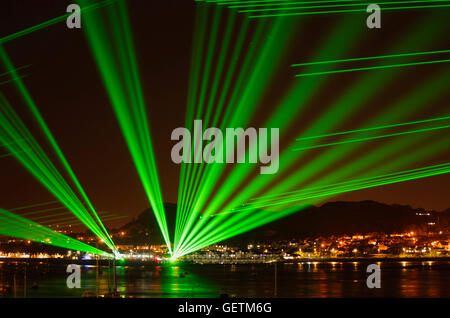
(331, 218)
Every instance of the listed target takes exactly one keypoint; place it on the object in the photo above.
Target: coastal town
(373, 245)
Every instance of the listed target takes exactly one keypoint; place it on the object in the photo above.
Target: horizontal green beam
(252, 4)
(373, 68)
(371, 138)
(343, 11)
(34, 205)
(287, 8)
(371, 58)
(376, 128)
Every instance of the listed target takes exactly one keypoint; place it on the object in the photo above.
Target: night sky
(64, 82)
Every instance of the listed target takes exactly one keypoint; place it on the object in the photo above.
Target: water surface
(307, 279)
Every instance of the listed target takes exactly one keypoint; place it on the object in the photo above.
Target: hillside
(328, 219)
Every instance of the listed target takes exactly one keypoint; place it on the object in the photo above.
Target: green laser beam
(420, 173)
(343, 11)
(110, 40)
(371, 138)
(333, 5)
(241, 221)
(231, 4)
(284, 3)
(30, 206)
(298, 92)
(15, 226)
(373, 68)
(371, 58)
(331, 113)
(33, 158)
(375, 128)
(245, 99)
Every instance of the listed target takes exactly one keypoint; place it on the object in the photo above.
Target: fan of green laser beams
(242, 222)
(202, 14)
(200, 28)
(396, 147)
(26, 96)
(332, 47)
(16, 226)
(332, 115)
(216, 175)
(112, 46)
(237, 174)
(196, 55)
(22, 211)
(226, 225)
(192, 176)
(202, 17)
(245, 97)
(20, 142)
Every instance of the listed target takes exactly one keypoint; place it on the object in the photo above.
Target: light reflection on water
(306, 279)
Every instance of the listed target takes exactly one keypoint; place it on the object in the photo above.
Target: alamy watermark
(374, 19)
(73, 21)
(74, 279)
(374, 279)
(236, 145)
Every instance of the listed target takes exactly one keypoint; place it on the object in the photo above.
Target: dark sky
(67, 88)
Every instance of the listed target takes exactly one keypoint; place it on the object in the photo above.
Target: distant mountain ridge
(332, 218)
